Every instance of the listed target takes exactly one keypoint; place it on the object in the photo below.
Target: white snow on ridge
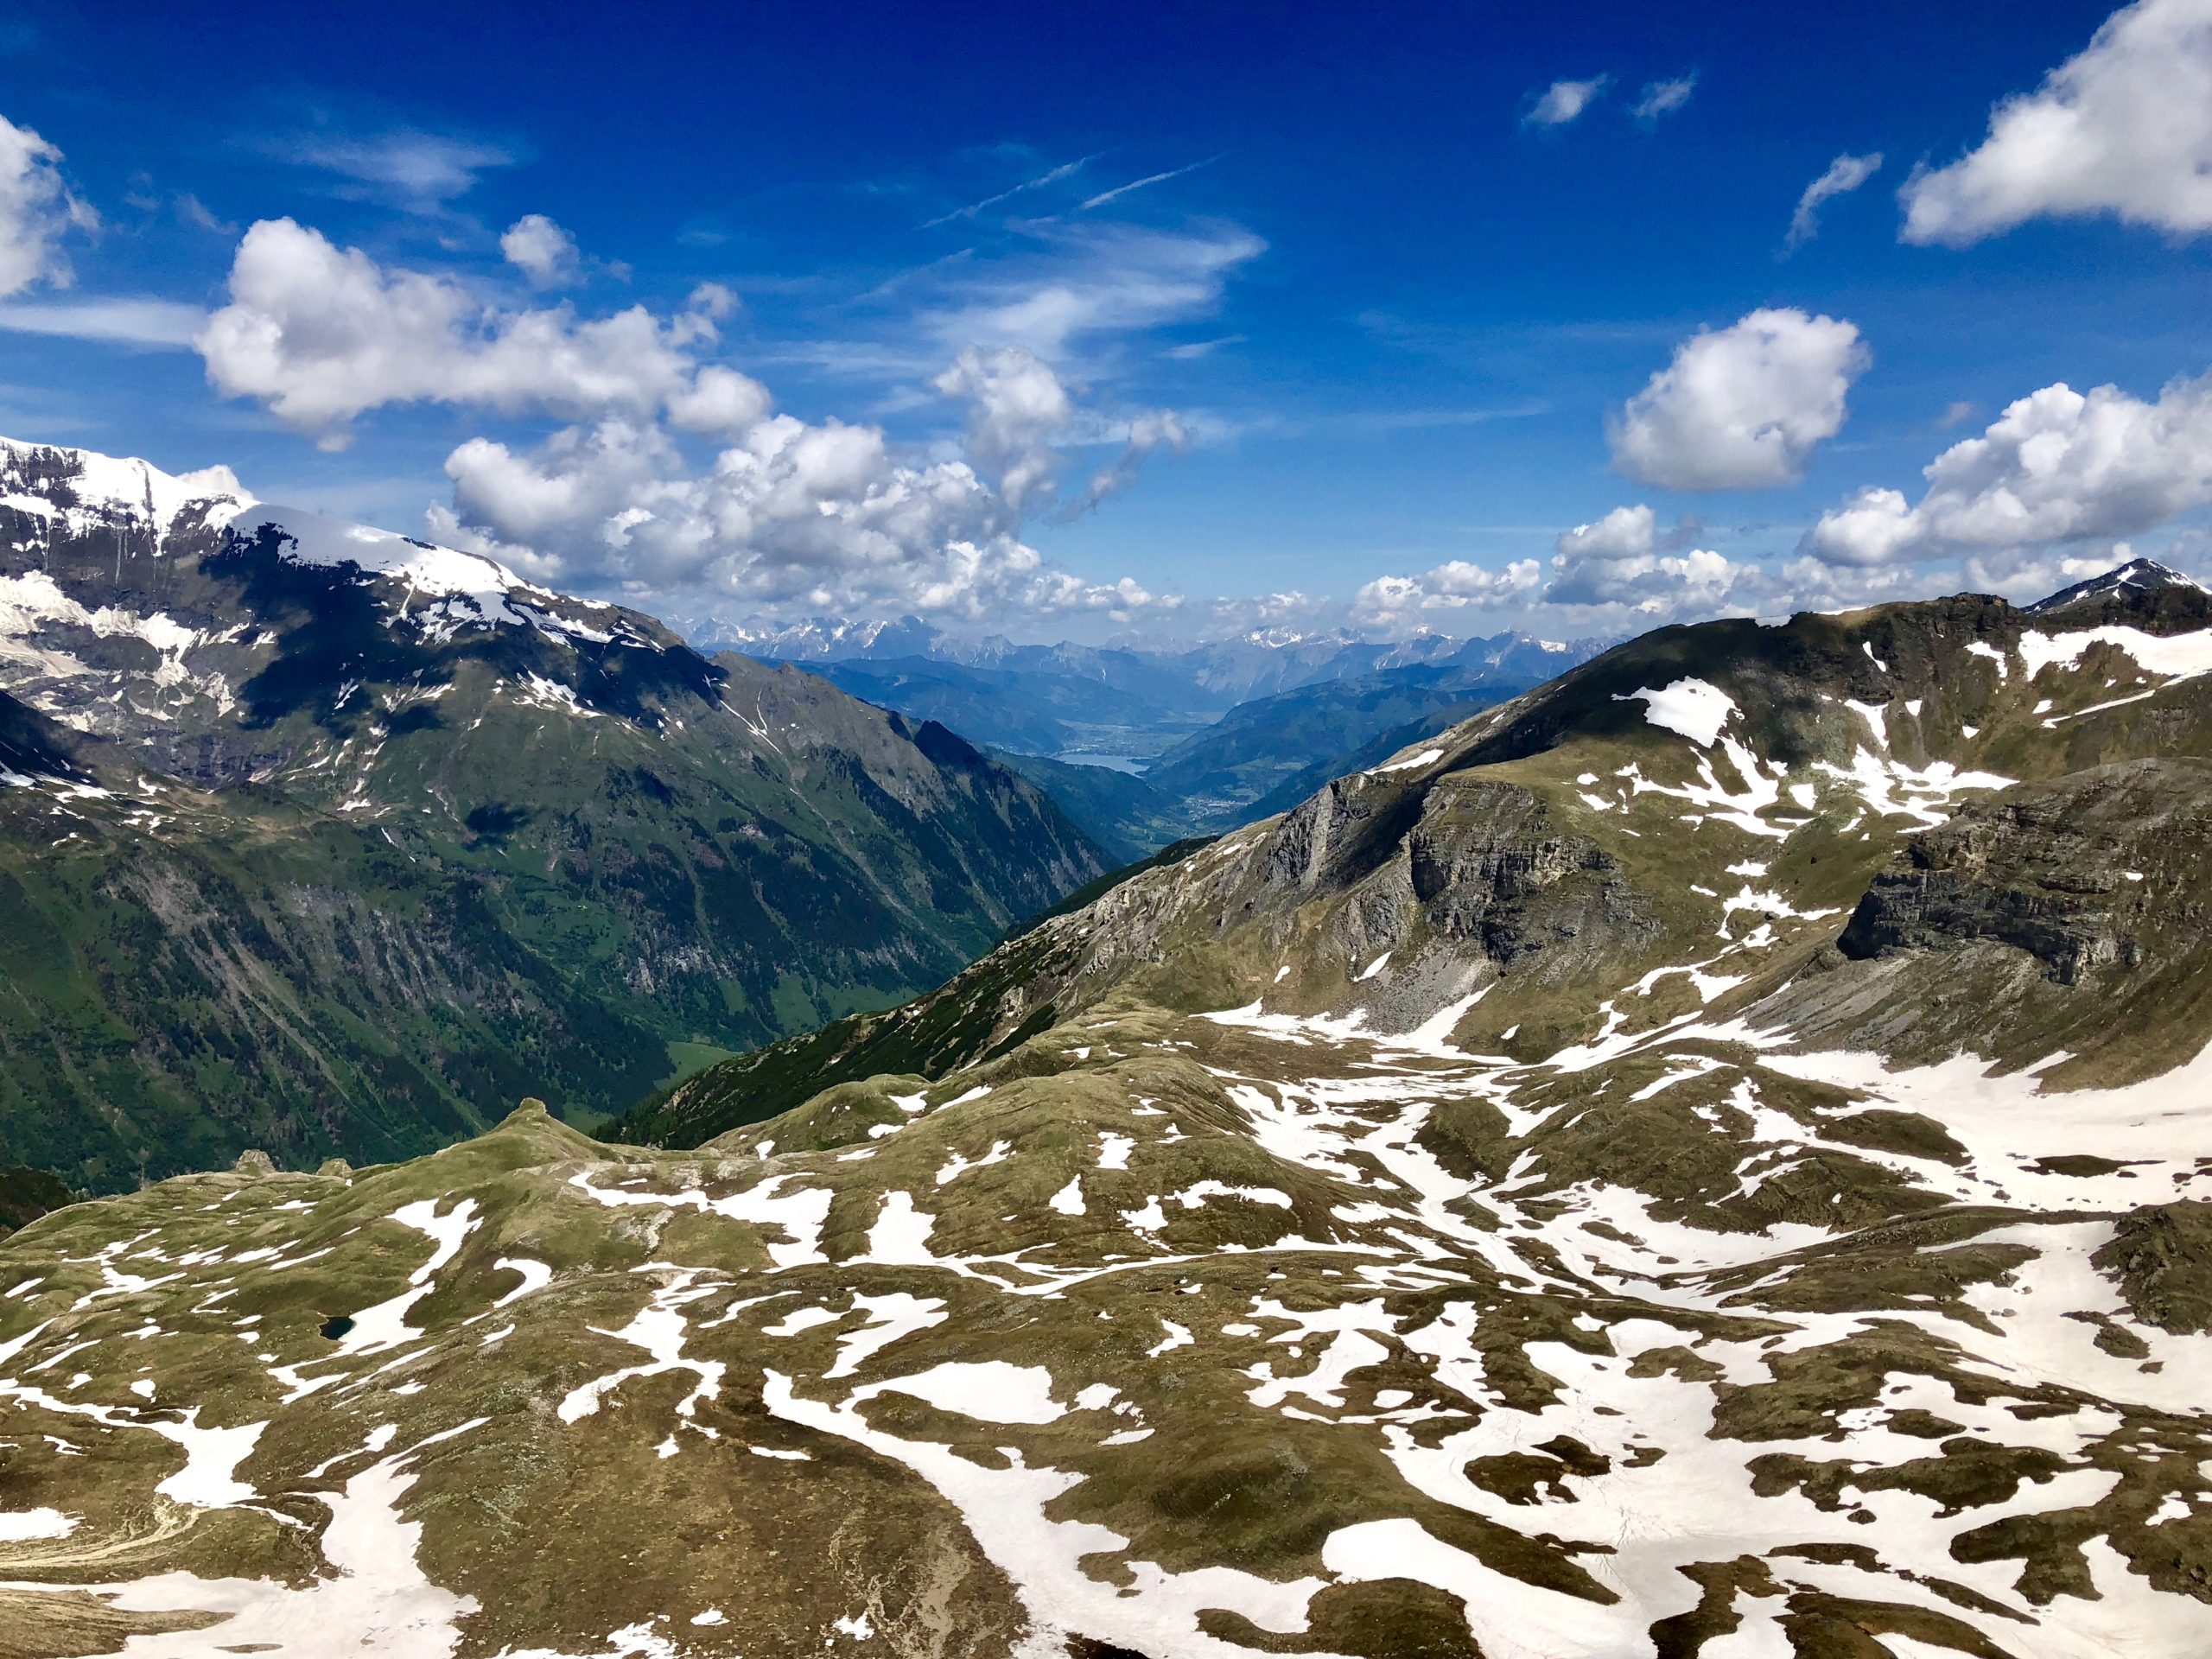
(1411, 763)
(2177, 656)
(448, 589)
(116, 484)
(1696, 708)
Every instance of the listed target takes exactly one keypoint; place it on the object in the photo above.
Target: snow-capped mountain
(424, 815)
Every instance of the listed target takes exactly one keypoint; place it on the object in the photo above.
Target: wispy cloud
(1091, 280)
(1368, 423)
(1065, 170)
(1663, 97)
(1563, 100)
(404, 166)
(1121, 190)
(1845, 175)
(160, 324)
(1190, 351)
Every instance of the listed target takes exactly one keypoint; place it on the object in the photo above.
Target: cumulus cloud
(322, 334)
(719, 402)
(36, 212)
(1651, 585)
(794, 518)
(2123, 128)
(785, 516)
(2023, 574)
(1740, 407)
(1016, 408)
(1623, 533)
(801, 518)
(1283, 615)
(1564, 100)
(1844, 175)
(2057, 467)
(1810, 584)
(1623, 562)
(1396, 602)
(1663, 97)
(542, 250)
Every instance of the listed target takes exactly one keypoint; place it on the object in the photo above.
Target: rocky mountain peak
(2139, 583)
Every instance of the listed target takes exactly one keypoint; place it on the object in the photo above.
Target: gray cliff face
(2057, 870)
(1490, 865)
(2072, 915)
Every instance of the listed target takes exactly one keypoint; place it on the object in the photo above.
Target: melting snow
(1694, 708)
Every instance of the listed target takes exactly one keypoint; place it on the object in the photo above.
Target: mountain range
(319, 839)
(1219, 733)
(1704, 1157)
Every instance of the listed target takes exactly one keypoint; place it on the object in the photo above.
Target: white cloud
(1650, 584)
(1017, 407)
(1808, 584)
(2058, 466)
(802, 520)
(1286, 614)
(1740, 407)
(785, 515)
(1394, 602)
(320, 334)
(2025, 575)
(36, 211)
(2123, 128)
(1050, 175)
(1625, 532)
(1150, 179)
(1091, 280)
(1844, 175)
(1563, 100)
(197, 213)
(1190, 351)
(542, 250)
(1663, 97)
(411, 168)
(122, 321)
(719, 402)
(1150, 433)
(794, 518)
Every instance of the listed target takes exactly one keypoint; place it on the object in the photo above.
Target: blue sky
(1091, 320)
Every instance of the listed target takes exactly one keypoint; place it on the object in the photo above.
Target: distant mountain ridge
(1212, 675)
(439, 826)
(1220, 730)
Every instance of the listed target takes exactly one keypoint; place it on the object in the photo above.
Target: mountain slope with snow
(396, 820)
(1705, 1159)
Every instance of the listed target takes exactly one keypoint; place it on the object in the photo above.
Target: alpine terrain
(1706, 1158)
(1221, 733)
(320, 840)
